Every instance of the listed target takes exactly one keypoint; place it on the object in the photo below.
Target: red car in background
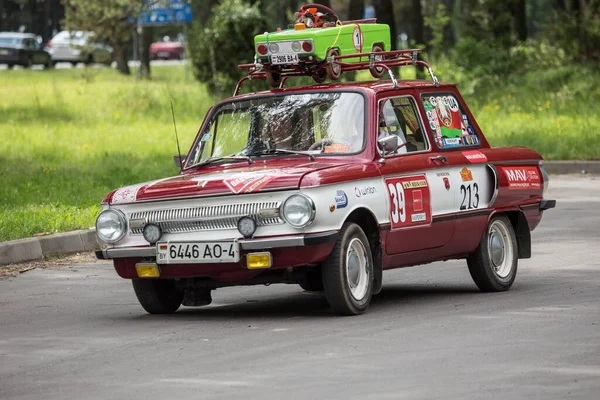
(167, 50)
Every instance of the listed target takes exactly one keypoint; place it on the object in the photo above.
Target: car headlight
(298, 210)
(111, 226)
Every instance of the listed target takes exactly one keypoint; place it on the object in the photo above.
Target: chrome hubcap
(500, 249)
(356, 269)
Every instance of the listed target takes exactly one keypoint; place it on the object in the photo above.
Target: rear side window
(450, 125)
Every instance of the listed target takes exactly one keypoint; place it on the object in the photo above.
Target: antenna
(176, 138)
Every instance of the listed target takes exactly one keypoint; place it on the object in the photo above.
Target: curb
(572, 167)
(35, 249)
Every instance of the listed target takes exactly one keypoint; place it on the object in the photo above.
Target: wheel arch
(365, 218)
(522, 232)
(382, 44)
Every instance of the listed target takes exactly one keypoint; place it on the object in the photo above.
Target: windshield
(315, 123)
(11, 42)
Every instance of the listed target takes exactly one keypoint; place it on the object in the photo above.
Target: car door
(408, 174)
(469, 180)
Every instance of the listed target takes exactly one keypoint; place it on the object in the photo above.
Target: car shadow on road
(314, 305)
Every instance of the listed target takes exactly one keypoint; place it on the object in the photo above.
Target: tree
(110, 20)
(356, 9)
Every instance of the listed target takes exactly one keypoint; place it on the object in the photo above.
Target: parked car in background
(23, 49)
(167, 50)
(77, 46)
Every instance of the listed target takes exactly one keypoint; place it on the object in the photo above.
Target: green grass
(68, 137)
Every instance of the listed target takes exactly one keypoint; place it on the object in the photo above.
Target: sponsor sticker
(341, 200)
(414, 184)
(365, 191)
(452, 141)
(474, 156)
(421, 217)
(523, 177)
(466, 174)
(446, 183)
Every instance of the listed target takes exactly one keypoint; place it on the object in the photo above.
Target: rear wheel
(348, 272)
(274, 79)
(493, 266)
(377, 72)
(158, 296)
(28, 63)
(333, 70)
(319, 77)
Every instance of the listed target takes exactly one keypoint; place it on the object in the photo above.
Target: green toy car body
(308, 49)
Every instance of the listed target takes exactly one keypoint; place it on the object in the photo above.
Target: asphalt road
(78, 332)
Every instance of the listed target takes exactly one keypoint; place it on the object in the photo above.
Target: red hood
(233, 178)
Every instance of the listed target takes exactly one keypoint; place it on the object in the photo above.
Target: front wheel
(348, 272)
(332, 68)
(158, 296)
(493, 266)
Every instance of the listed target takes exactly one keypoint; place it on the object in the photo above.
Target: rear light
(307, 46)
(273, 48)
(296, 47)
(49, 44)
(262, 49)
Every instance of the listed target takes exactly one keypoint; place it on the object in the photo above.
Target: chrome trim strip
(129, 252)
(269, 243)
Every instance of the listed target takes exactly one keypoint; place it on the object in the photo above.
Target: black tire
(314, 280)
(319, 77)
(158, 296)
(49, 64)
(377, 72)
(28, 63)
(344, 297)
(493, 266)
(333, 70)
(10, 66)
(274, 79)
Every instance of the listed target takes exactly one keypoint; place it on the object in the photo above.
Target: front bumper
(252, 244)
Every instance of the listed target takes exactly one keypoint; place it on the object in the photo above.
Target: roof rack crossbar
(380, 59)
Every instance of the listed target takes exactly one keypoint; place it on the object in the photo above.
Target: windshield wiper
(229, 157)
(282, 151)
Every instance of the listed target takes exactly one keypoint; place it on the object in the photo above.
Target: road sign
(166, 12)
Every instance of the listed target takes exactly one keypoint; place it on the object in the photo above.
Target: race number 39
(410, 203)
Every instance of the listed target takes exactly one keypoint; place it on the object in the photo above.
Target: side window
(398, 116)
(448, 121)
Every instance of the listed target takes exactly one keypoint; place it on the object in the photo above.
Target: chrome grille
(206, 218)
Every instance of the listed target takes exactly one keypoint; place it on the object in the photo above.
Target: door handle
(438, 159)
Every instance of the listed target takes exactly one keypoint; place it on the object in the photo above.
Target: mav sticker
(410, 201)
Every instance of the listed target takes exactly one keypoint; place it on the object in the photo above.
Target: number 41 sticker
(410, 201)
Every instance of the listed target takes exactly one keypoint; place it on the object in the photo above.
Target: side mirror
(388, 143)
(179, 160)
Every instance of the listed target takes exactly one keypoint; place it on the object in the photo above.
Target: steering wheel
(320, 7)
(321, 143)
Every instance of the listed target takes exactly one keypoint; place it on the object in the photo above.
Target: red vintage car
(327, 186)
(167, 50)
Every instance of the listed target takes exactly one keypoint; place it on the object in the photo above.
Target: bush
(226, 41)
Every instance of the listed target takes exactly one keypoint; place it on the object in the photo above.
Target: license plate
(197, 252)
(163, 54)
(3, 52)
(284, 59)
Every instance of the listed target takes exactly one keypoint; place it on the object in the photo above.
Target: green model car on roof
(316, 37)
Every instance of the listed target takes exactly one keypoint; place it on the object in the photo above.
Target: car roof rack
(380, 59)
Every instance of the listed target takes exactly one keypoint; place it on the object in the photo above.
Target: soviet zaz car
(315, 38)
(327, 187)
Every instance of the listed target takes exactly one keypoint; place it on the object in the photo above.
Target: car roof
(367, 86)
(18, 35)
